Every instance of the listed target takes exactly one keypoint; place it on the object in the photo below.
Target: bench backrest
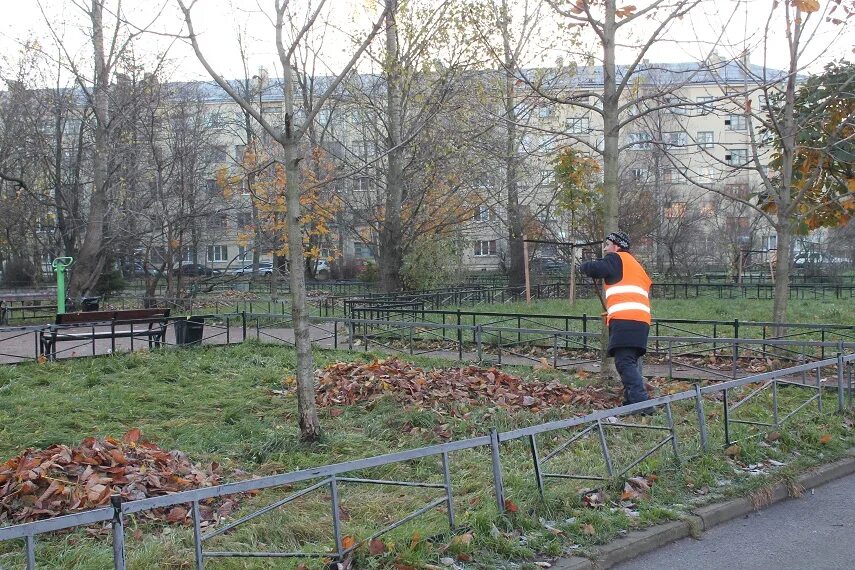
(117, 316)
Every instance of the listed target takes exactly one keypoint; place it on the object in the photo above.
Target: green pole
(60, 265)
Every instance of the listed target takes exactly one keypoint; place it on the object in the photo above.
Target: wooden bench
(70, 327)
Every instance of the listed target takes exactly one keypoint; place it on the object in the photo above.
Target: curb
(641, 542)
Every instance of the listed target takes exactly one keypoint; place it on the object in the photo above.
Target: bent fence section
(329, 477)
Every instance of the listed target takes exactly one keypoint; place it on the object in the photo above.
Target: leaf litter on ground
(347, 383)
(61, 479)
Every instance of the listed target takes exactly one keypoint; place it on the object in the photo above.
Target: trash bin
(189, 331)
(90, 303)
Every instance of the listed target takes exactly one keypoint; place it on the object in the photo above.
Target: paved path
(22, 346)
(816, 531)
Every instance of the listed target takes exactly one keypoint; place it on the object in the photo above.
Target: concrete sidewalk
(815, 531)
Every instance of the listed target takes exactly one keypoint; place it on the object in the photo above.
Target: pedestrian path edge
(704, 518)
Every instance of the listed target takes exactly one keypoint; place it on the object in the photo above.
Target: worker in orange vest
(627, 300)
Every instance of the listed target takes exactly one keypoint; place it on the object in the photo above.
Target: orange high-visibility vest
(629, 298)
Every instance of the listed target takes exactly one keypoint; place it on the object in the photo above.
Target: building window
(706, 139)
(669, 175)
(218, 253)
(243, 253)
(363, 184)
(639, 140)
(544, 111)
(675, 210)
(243, 219)
(483, 214)
(211, 187)
(220, 154)
(486, 247)
(737, 157)
(675, 138)
(705, 104)
(218, 222)
(578, 125)
(240, 153)
(361, 251)
(738, 190)
(638, 173)
(770, 242)
(736, 122)
(737, 224)
(363, 149)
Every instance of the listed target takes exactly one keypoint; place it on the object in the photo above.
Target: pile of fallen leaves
(59, 480)
(346, 383)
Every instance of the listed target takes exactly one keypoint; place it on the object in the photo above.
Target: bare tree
(289, 139)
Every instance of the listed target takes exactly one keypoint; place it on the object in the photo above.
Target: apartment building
(684, 147)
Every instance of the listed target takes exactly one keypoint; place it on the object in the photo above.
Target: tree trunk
(90, 258)
(785, 208)
(611, 164)
(310, 426)
(391, 251)
(516, 253)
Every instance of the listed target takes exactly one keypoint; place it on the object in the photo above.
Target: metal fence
(330, 477)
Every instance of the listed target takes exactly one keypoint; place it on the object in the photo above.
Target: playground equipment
(60, 266)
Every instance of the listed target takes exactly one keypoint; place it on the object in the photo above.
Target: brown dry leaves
(40, 484)
(346, 383)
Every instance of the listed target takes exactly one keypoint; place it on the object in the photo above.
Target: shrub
(19, 272)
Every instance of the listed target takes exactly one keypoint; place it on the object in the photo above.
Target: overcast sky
(730, 25)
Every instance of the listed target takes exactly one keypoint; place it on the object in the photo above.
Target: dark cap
(619, 238)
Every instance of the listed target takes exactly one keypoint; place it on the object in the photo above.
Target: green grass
(828, 311)
(216, 404)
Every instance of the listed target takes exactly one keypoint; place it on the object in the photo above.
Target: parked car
(322, 269)
(805, 259)
(197, 270)
(265, 268)
(138, 269)
(548, 264)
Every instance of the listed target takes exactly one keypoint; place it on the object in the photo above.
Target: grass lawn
(827, 311)
(218, 404)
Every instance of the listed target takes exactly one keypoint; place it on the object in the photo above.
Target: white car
(264, 268)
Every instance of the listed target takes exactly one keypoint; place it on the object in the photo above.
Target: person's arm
(609, 268)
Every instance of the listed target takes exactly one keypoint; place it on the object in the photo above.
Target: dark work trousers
(628, 365)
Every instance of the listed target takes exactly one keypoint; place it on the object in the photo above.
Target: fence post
(497, 470)
(605, 449)
(243, 323)
(584, 330)
(726, 417)
(118, 533)
(459, 338)
(478, 343)
(31, 551)
(671, 425)
(335, 516)
(197, 536)
(702, 417)
(535, 457)
(670, 360)
(819, 389)
(350, 333)
(446, 476)
(775, 402)
(735, 349)
(840, 401)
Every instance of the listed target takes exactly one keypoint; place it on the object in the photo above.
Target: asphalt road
(816, 532)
